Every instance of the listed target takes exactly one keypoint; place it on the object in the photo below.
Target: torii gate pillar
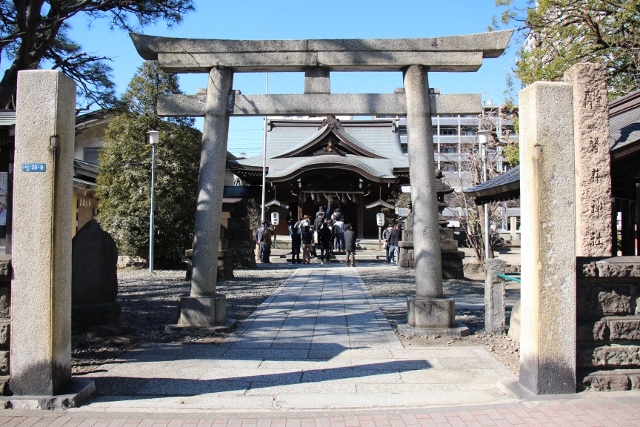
(428, 311)
(204, 307)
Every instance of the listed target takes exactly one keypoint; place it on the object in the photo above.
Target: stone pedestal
(43, 182)
(432, 316)
(240, 239)
(202, 312)
(608, 331)
(451, 258)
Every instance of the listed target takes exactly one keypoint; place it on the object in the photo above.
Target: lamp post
(483, 139)
(154, 137)
(264, 158)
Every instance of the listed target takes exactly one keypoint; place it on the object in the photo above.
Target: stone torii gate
(317, 58)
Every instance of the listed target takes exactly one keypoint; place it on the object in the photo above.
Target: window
(448, 167)
(90, 155)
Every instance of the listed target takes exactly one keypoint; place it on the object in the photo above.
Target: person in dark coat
(267, 241)
(296, 242)
(350, 245)
(394, 238)
(307, 237)
(325, 234)
(290, 222)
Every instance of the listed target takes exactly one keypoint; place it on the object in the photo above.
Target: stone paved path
(319, 353)
(319, 342)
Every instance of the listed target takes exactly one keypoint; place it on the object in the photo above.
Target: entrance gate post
(41, 287)
(203, 307)
(427, 310)
(547, 200)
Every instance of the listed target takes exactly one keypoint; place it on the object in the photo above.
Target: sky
(303, 19)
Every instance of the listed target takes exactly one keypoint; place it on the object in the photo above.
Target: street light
(483, 139)
(154, 138)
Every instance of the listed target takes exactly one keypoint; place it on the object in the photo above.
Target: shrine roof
(376, 138)
(624, 123)
(502, 187)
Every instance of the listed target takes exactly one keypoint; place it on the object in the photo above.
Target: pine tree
(555, 34)
(35, 34)
(124, 181)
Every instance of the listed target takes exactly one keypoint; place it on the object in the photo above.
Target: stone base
(79, 390)
(458, 330)
(431, 313)
(87, 315)
(203, 312)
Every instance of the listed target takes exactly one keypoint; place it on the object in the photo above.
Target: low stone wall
(225, 263)
(5, 320)
(608, 329)
(452, 258)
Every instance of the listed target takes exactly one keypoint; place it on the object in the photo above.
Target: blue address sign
(34, 167)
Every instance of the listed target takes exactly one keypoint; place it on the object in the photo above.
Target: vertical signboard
(4, 181)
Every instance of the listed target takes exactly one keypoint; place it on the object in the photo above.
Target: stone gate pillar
(427, 309)
(204, 308)
(547, 197)
(593, 161)
(41, 288)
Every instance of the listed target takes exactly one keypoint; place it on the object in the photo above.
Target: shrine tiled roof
(374, 169)
(502, 187)
(624, 122)
(376, 144)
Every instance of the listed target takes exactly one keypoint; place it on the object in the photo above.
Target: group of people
(391, 236)
(327, 233)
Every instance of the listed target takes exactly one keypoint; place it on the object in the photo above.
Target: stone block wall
(5, 320)
(608, 324)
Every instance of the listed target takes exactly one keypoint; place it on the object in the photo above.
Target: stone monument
(94, 277)
(240, 244)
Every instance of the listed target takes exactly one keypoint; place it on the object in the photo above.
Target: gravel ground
(392, 283)
(149, 301)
